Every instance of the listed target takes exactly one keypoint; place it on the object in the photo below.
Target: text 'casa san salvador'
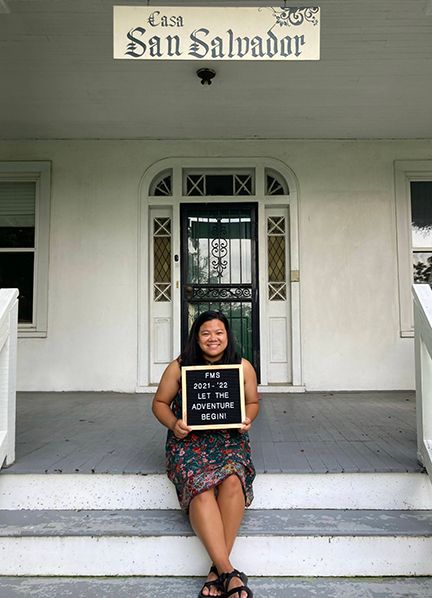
(215, 33)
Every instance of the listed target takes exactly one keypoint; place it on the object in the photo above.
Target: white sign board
(216, 33)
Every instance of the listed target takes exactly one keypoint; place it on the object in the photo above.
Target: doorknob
(188, 289)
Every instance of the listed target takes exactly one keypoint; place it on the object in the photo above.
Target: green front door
(219, 269)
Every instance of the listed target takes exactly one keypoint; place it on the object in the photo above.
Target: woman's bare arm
(251, 395)
(166, 392)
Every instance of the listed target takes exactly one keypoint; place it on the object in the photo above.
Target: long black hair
(192, 354)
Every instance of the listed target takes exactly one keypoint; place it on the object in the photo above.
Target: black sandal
(216, 582)
(226, 578)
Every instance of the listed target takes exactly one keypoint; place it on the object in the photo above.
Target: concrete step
(270, 543)
(187, 587)
(272, 491)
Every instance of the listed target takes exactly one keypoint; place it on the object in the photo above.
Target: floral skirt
(204, 458)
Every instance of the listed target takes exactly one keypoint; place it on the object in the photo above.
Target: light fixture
(206, 75)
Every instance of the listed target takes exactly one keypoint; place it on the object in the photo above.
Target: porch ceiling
(59, 80)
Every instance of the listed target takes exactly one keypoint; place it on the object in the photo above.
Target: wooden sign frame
(211, 390)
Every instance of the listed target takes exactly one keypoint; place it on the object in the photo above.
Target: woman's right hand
(181, 430)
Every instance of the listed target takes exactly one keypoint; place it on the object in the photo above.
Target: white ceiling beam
(428, 8)
(4, 7)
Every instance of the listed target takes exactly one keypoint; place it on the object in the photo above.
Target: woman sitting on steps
(212, 470)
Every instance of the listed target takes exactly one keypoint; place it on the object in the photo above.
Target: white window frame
(405, 172)
(40, 173)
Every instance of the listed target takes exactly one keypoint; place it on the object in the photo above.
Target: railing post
(423, 364)
(8, 356)
(13, 345)
(418, 382)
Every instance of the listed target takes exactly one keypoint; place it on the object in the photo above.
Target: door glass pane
(219, 247)
(239, 315)
(16, 272)
(220, 273)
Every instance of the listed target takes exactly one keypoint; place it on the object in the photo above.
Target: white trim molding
(405, 172)
(40, 173)
(147, 202)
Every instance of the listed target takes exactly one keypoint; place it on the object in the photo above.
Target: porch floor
(86, 432)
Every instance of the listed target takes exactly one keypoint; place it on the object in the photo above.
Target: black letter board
(213, 396)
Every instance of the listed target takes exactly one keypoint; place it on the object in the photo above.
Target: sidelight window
(162, 258)
(276, 258)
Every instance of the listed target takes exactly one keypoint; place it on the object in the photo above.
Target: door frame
(176, 166)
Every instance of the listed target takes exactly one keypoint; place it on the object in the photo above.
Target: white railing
(423, 364)
(8, 355)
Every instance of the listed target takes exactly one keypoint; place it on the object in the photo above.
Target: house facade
(294, 196)
(338, 323)
(282, 194)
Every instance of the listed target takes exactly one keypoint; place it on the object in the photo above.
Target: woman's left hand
(246, 425)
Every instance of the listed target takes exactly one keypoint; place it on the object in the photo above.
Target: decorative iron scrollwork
(219, 248)
(218, 292)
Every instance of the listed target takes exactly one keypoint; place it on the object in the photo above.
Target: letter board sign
(213, 396)
(216, 33)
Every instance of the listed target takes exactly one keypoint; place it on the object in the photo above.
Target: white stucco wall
(349, 287)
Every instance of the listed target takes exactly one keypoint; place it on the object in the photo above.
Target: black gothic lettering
(132, 46)
(198, 44)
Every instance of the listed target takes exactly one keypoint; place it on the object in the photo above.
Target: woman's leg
(216, 523)
(206, 521)
(231, 502)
